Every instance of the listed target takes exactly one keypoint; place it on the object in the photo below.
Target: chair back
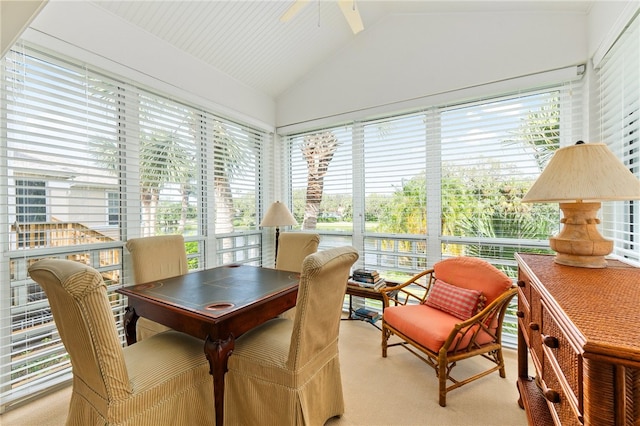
(293, 247)
(81, 310)
(473, 273)
(156, 258)
(319, 307)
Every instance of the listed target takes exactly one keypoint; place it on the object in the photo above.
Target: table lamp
(278, 215)
(579, 177)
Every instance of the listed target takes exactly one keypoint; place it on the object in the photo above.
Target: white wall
(408, 57)
(15, 16)
(86, 32)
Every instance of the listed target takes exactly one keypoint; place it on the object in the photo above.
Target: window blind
(448, 180)
(89, 160)
(492, 152)
(618, 109)
(322, 181)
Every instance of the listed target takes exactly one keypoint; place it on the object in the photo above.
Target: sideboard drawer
(561, 356)
(562, 410)
(535, 330)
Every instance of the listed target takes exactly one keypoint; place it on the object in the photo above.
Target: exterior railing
(56, 234)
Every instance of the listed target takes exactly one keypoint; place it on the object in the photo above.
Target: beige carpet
(397, 390)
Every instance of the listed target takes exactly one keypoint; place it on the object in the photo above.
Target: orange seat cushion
(427, 326)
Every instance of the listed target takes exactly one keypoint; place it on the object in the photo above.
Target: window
(91, 160)
(30, 201)
(492, 152)
(322, 180)
(113, 208)
(31, 209)
(444, 181)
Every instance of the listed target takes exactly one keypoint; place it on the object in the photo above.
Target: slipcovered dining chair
(156, 258)
(161, 380)
(287, 372)
(293, 247)
(450, 313)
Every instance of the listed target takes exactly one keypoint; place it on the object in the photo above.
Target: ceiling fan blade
(352, 15)
(294, 9)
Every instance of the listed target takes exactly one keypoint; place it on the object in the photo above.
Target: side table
(364, 292)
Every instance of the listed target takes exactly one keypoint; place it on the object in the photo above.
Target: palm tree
(318, 150)
(163, 159)
(540, 132)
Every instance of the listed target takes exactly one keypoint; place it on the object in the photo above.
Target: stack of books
(367, 278)
(366, 315)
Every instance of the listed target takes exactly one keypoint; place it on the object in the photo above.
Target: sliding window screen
(618, 126)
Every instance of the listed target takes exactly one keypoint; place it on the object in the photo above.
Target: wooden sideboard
(580, 330)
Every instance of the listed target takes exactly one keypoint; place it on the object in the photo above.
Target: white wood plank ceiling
(247, 40)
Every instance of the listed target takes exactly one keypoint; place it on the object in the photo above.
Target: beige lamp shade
(584, 172)
(278, 215)
(579, 177)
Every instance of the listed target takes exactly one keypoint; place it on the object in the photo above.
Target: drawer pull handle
(552, 396)
(534, 326)
(551, 341)
(521, 283)
(520, 314)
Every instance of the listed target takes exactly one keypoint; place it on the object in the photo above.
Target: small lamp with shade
(579, 177)
(278, 215)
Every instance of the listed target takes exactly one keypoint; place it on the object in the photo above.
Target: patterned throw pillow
(460, 302)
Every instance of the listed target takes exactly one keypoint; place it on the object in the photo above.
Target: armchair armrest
(402, 294)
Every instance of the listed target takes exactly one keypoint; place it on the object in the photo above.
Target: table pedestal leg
(218, 352)
(130, 320)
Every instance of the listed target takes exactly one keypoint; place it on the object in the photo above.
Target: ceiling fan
(348, 8)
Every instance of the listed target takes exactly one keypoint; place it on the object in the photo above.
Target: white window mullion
(434, 182)
(130, 173)
(358, 177)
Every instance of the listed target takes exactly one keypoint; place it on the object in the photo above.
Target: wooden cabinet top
(602, 304)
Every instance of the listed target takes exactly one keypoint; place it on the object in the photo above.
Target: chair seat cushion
(263, 353)
(427, 326)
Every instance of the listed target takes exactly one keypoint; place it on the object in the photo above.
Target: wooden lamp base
(579, 242)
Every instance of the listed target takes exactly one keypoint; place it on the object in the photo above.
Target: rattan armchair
(440, 335)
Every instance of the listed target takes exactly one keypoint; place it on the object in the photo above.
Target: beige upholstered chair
(450, 313)
(287, 372)
(156, 258)
(161, 380)
(293, 247)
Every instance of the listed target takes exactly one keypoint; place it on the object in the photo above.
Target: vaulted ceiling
(247, 40)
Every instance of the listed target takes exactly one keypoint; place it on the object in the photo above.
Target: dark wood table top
(217, 291)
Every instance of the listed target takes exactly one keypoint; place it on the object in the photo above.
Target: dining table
(216, 305)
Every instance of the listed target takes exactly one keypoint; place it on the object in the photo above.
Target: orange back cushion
(475, 274)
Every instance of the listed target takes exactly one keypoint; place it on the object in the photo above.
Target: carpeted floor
(397, 390)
